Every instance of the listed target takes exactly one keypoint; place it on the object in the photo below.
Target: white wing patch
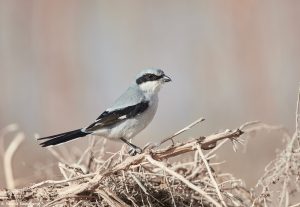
(122, 117)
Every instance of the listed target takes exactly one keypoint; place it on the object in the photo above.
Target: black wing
(108, 118)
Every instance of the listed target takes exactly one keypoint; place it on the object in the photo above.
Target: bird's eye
(151, 77)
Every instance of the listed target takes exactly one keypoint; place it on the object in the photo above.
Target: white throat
(150, 87)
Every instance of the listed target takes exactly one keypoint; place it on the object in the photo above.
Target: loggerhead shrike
(129, 114)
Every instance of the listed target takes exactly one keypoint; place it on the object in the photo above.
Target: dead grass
(154, 178)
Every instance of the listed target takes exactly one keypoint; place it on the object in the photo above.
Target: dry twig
(211, 176)
(7, 160)
(71, 188)
(282, 174)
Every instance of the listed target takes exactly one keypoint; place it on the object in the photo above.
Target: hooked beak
(166, 79)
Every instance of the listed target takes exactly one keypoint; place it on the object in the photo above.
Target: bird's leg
(133, 149)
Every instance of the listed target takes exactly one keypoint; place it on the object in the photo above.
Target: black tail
(61, 138)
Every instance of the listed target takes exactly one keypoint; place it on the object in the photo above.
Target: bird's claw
(134, 150)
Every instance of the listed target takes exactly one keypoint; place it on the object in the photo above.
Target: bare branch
(181, 178)
(182, 130)
(211, 176)
(8, 156)
(88, 185)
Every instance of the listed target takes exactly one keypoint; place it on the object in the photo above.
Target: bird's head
(151, 80)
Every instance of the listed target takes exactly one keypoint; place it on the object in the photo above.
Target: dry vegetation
(155, 178)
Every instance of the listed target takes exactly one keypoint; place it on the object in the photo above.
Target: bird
(127, 116)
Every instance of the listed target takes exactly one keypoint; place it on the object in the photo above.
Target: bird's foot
(134, 151)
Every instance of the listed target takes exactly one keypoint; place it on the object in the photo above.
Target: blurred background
(63, 62)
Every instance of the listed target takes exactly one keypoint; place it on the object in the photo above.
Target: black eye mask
(148, 77)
